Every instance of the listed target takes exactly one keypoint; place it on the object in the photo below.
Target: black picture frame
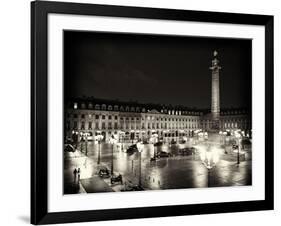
(39, 112)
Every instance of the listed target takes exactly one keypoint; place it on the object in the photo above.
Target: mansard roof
(135, 106)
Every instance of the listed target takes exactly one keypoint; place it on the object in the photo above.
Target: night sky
(156, 69)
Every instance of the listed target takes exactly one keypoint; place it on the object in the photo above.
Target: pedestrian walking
(74, 175)
(78, 172)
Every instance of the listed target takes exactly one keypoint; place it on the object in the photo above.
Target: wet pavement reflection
(172, 172)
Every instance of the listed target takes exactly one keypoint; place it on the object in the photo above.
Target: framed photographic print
(145, 112)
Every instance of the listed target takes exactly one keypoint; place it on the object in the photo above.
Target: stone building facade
(133, 121)
(130, 121)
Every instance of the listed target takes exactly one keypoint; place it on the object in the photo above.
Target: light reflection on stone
(167, 173)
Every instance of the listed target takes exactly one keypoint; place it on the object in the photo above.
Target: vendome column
(215, 107)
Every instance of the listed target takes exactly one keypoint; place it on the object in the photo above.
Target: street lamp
(85, 135)
(75, 138)
(238, 137)
(81, 141)
(224, 137)
(99, 138)
(112, 140)
(122, 134)
(154, 138)
(221, 135)
(140, 148)
(209, 159)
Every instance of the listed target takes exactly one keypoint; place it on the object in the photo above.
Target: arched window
(83, 105)
(90, 106)
(103, 107)
(97, 107)
(109, 107)
(115, 107)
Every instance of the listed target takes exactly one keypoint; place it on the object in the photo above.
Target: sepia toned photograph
(154, 112)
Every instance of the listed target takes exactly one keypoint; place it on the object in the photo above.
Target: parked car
(69, 148)
(163, 154)
(173, 142)
(153, 159)
(132, 149)
(187, 151)
(104, 172)
(115, 179)
(158, 143)
(134, 188)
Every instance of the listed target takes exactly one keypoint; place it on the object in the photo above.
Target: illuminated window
(75, 105)
(90, 105)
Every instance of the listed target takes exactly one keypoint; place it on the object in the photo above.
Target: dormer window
(83, 105)
(103, 107)
(90, 106)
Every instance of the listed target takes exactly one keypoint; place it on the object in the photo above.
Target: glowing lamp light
(112, 140)
(140, 146)
(209, 157)
(154, 138)
(99, 137)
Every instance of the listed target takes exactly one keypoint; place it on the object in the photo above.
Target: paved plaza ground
(175, 172)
